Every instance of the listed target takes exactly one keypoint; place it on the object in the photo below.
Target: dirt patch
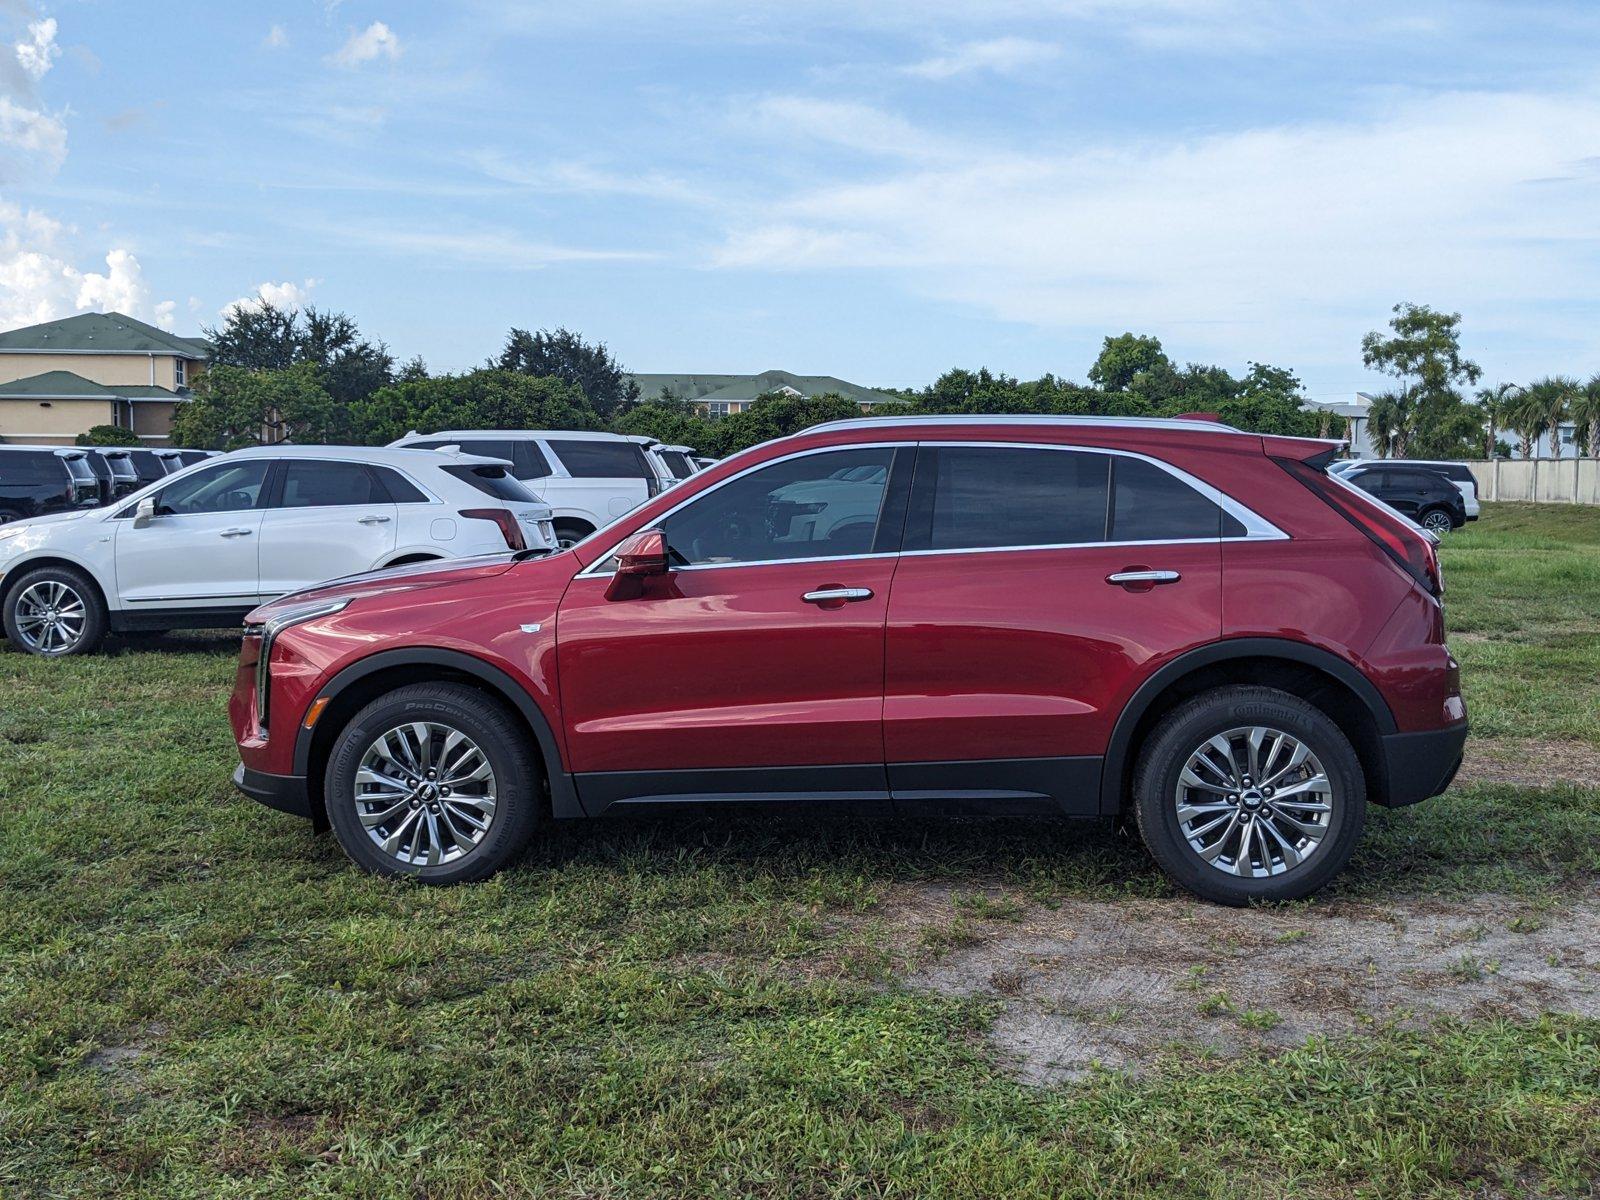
(1530, 762)
(1115, 983)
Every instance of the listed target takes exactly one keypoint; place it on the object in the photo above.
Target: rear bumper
(286, 793)
(1420, 765)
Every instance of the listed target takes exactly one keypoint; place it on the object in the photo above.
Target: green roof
(64, 385)
(102, 333)
(744, 388)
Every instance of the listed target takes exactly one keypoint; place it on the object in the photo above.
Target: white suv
(587, 479)
(205, 545)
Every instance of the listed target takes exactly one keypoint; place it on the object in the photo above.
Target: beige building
(61, 378)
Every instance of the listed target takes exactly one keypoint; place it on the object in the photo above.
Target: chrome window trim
(1257, 528)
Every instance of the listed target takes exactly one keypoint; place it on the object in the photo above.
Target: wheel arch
(1320, 677)
(16, 571)
(369, 677)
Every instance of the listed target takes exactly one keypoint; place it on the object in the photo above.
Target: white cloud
(39, 281)
(1295, 236)
(40, 50)
(375, 41)
(285, 295)
(41, 137)
(277, 38)
(846, 124)
(1001, 55)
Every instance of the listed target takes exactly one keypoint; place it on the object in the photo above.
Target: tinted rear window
(985, 497)
(678, 463)
(312, 484)
(401, 490)
(493, 481)
(1153, 505)
(78, 466)
(601, 460)
(30, 468)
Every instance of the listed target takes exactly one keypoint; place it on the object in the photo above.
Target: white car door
(328, 519)
(200, 549)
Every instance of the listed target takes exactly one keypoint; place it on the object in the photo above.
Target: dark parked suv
(1427, 496)
(1170, 619)
(35, 480)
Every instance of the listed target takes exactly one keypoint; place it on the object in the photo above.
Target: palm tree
(1586, 412)
(1553, 395)
(1528, 420)
(1391, 423)
(1496, 403)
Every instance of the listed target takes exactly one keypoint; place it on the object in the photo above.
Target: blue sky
(874, 190)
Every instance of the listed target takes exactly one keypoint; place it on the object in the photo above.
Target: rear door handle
(231, 533)
(837, 595)
(1148, 578)
(374, 520)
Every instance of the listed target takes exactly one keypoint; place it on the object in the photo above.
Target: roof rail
(1187, 424)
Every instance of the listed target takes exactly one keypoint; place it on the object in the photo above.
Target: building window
(180, 371)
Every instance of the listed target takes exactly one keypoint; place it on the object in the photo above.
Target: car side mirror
(145, 512)
(643, 556)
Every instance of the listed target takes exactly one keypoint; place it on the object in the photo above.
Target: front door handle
(1142, 579)
(232, 533)
(373, 520)
(837, 595)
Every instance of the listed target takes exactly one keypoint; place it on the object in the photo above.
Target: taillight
(1412, 548)
(509, 529)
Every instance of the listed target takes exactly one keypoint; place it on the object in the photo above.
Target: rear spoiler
(1314, 452)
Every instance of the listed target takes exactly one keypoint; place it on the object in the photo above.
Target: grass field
(199, 997)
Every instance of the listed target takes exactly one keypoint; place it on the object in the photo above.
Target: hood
(55, 518)
(439, 573)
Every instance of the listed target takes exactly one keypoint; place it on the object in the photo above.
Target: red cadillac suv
(1086, 617)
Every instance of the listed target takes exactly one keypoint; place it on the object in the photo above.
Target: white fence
(1548, 480)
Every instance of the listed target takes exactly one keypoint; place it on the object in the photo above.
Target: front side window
(801, 507)
(595, 459)
(227, 487)
(993, 497)
(309, 483)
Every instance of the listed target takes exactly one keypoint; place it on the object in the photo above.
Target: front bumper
(1420, 765)
(286, 793)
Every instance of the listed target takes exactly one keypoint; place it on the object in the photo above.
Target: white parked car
(202, 547)
(678, 459)
(1457, 473)
(587, 479)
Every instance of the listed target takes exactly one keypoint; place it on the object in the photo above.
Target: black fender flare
(1120, 746)
(563, 795)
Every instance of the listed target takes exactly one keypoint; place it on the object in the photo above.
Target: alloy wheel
(1437, 523)
(50, 617)
(425, 793)
(1254, 801)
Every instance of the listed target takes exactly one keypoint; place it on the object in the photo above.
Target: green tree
(1123, 358)
(1495, 405)
(668, 420)
(1586, 412)
(482, 399)
(1391, 420)
(1422, 350)
(777, 414)
(266, 337)
(564, 355)
(232, 407)
(107, 435)
(1544, 406)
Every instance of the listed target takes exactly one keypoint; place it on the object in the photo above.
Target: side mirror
(145, 512)
(642, 556)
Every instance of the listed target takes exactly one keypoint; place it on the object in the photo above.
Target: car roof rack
(1187, 424)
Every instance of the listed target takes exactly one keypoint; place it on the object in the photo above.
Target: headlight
(269, 631)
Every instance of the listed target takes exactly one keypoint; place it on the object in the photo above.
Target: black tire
(500, 736)
(1422, 519)
(94, 623)
(1166, 752)
(569, 533)
(8, 515)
